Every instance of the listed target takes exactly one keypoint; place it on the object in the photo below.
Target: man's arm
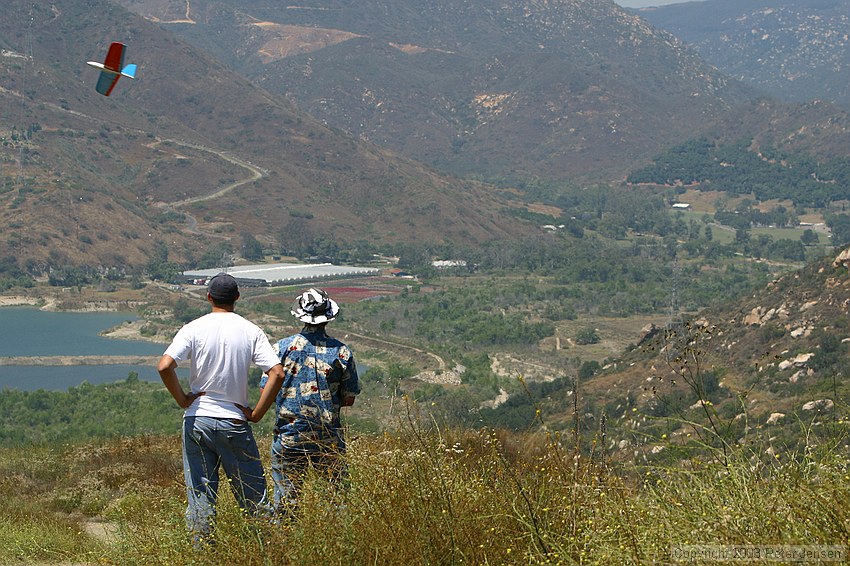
(268, 394)
(167, 372)
(350, 383)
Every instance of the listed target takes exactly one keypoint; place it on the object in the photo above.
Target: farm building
(270, 274)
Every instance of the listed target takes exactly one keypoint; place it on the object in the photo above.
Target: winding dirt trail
(257, 173)
(286, 329)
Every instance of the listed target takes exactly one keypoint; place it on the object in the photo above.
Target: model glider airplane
(112, 69)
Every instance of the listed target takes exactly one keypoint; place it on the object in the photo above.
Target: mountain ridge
(795, 50)
(559, 89)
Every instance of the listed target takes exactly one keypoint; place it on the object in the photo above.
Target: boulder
(820, 405)
(774, 418)
(754, 318)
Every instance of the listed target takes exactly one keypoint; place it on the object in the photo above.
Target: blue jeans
(207, 444)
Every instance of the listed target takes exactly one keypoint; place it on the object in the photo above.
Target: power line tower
(26, 67)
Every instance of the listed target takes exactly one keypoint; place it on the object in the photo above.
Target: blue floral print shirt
(319, 371)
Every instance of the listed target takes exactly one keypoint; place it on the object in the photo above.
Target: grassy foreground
(419, 496)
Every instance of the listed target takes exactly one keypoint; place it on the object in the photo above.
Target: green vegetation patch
(29, 535)
(131, 407)
(735, 167)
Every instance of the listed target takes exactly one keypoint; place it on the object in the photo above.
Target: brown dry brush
(429, 494)
(481, 496)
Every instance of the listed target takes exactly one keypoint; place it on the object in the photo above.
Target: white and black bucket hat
(314, 306)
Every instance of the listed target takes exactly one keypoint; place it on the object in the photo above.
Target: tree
(251, 248)
(415, 257)
(69, 276)
(587, 336)
(588, 369)
(792, 250)
(217, 256)
(158, 267)
(840, 226)
(185, 312)
(693, 230)
(809, 237)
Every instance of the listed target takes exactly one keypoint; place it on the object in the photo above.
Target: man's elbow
(165, 363)
(275, 375)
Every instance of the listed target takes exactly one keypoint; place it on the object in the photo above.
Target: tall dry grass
(431, 495)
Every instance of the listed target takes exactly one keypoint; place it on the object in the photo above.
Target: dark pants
(290, 462)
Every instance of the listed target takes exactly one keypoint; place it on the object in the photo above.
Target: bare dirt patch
(289, 40)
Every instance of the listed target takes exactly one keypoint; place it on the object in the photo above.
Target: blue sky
(645, 3)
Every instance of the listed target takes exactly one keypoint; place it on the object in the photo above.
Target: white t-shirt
(221, 346)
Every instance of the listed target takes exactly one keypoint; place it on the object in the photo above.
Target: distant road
(78, 360)
(257, 173)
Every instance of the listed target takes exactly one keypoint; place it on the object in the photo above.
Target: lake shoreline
(131, 330)
(54, 304)
(55, 348)
(128, 360)
(127, 330)
(22, 301)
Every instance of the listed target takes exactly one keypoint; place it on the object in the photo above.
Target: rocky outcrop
(759, 315)
(799, 361)
(842, 260)
(819, 406)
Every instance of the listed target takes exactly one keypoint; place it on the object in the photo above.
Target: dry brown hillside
(189, 155)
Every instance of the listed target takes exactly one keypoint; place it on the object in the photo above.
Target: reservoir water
(31, 332)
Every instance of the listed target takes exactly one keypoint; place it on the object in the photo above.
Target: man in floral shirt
(320, 377)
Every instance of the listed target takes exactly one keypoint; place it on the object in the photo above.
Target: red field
(354, 294)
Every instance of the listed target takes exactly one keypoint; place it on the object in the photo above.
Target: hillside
(188, 156)
(795, 50)
(557, 90)
(648, 485)
(759, 368)
(818, 129)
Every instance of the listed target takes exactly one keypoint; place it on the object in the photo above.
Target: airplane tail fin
(129, 71)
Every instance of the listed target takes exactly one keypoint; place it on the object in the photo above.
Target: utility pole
(675, 314)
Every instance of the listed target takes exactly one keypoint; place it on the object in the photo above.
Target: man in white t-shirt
(220, 346)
